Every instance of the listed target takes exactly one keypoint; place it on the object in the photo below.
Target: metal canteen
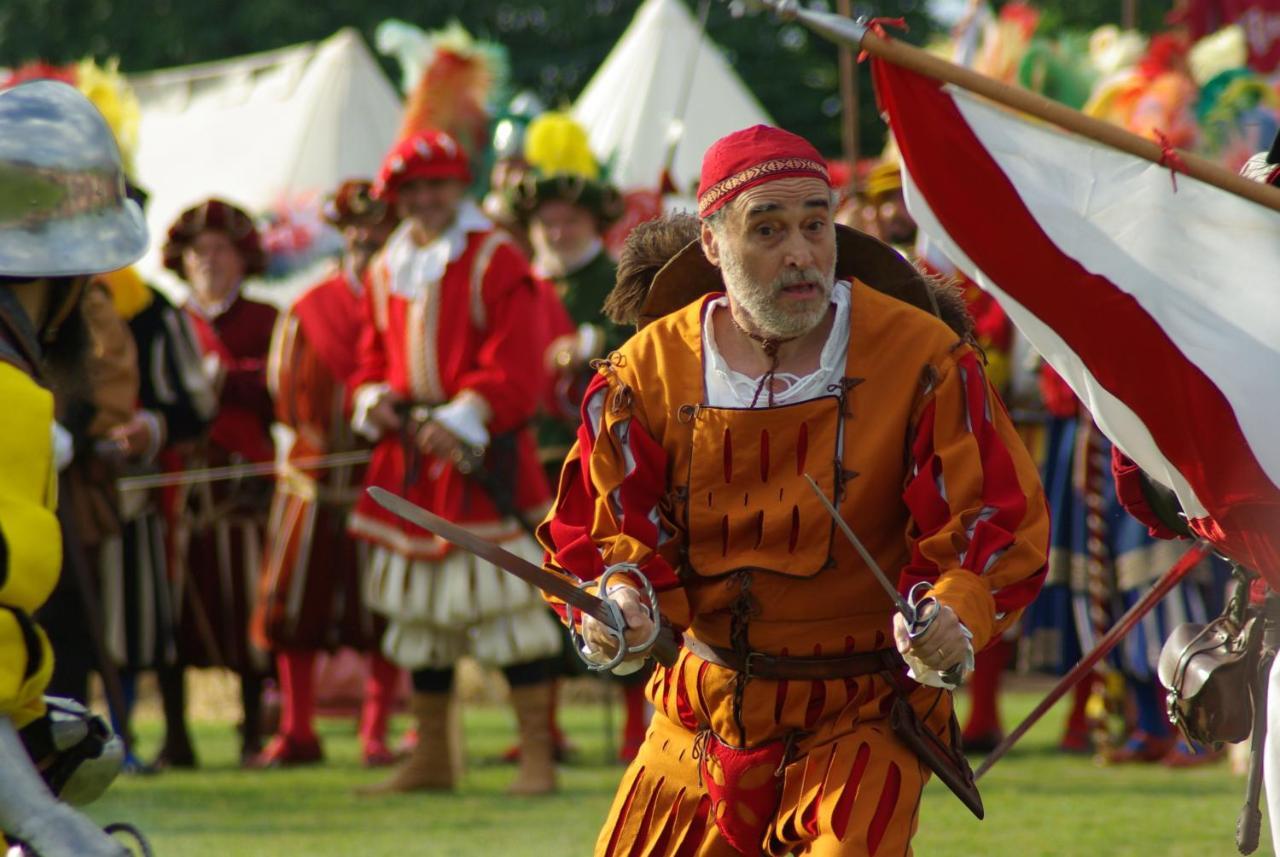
(1207, 670)
(63, 208)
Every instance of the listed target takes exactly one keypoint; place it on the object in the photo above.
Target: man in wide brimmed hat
(63, 216)
(772, 731)
(448, 377)
(567, 206)
(214, 247)
(309, 593)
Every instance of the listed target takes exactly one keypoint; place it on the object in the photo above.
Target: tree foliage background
(554, 45)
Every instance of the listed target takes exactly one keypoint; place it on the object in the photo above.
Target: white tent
(630, 106)
(258, 129)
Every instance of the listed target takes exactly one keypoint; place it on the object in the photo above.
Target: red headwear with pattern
(218, 216)
(353, 204)
(752, 157)
(429, 154)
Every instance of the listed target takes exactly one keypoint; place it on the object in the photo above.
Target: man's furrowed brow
(818, 202)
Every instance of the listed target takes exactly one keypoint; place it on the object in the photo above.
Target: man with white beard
(773, 730)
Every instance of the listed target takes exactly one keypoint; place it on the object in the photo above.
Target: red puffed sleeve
(607, 506)
(979, 526)
(507, 370)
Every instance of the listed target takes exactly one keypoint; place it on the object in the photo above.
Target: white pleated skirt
(438, 611)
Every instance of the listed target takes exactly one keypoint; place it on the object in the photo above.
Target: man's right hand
(383, 415)
(634, 611)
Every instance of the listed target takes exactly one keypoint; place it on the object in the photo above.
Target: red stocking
(297, 695)
(379, 698)
(984, 691)
(1076, 738)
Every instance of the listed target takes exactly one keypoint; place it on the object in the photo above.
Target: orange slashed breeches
(847, 785)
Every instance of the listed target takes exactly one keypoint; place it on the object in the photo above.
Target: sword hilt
(661, 643)
(924, 610)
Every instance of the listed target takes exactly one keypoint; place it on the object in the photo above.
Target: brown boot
(429, 766)
(537, 772)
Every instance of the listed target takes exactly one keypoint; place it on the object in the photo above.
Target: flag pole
(845, 31)
(848, 94)
(1143, 606)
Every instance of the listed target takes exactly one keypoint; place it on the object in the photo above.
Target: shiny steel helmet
(63, 208)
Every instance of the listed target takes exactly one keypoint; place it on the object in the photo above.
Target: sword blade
(907, 611)
(549, 583)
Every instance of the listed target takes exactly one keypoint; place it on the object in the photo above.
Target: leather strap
(778, 668)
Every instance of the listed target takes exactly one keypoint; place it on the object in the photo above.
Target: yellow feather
(129, 294)
(115, 100)
(556, 145)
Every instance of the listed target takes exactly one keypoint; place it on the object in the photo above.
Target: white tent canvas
(259, 128)
(630, 106)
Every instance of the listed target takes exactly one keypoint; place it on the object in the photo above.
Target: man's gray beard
(761, 302)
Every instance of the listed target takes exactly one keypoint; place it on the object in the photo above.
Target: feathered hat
(104, 86)
(353, 204)
(445, 127)
(563, 168)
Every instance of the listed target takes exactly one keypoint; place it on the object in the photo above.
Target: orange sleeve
(612, 493)
(979, 528)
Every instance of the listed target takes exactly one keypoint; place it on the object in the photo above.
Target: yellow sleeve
(979, 530)
(612, 500)
(30, 540)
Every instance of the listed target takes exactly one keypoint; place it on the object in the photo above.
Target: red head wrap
(751, 157)
(425, 155)
(217, 216)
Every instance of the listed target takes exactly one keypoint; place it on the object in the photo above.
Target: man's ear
(709, 248)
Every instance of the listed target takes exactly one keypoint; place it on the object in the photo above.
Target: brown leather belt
(779, 668)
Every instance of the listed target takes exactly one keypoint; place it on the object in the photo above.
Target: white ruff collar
(413, 268)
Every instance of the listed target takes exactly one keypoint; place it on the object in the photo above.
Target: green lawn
(1038, 803)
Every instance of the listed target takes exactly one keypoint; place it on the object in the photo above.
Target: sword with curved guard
(664, 648)
(919, 612)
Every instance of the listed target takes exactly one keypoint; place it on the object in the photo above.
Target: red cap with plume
(353, 204)
(427, 154)
(218, 216)
(752, 157)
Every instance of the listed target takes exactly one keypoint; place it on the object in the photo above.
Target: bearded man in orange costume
(772, 732)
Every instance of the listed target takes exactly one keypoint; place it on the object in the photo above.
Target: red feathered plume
(451, 96)
(1166, 52)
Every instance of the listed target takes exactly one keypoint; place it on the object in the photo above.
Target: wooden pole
(848, 94)
(1129, 14)
(842, 30)
(1132, 616)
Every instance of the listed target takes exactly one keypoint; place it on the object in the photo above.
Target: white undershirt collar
(728, 388)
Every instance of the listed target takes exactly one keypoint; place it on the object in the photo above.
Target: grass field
(1038, 803)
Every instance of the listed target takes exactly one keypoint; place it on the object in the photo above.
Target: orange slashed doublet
(712, 505)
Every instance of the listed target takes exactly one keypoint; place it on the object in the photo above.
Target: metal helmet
(63, 207)
(78, 754)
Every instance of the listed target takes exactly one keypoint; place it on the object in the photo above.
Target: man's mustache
(796, 276)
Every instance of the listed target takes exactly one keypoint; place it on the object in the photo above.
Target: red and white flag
(1161, 309)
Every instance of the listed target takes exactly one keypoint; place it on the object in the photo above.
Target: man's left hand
(134, 437)
(941, 647)
(435, 440)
